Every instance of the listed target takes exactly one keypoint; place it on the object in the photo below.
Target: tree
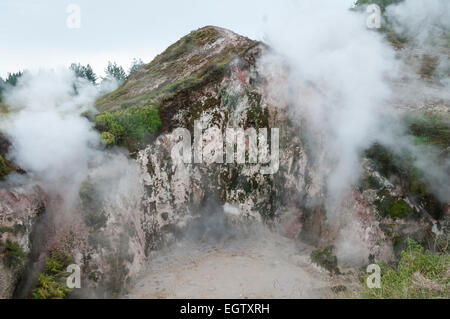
(2, 84)
(13, 78)
(115, 71)
(84, 72)
(135, 65)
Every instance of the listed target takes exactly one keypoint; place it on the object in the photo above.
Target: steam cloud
(334, 73)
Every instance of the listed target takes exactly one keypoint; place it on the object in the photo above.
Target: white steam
(421, 20)
(336, 82)
(336, 76)
(51, 138)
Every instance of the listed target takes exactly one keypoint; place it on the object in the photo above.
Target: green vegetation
(411, 180)
(326, 259)
(418, 274)
(161, 80)
(4, 168)
(85, 72)
(52, 281)
(14, 255)
(11, 80)
(115, 71)
(431, 129)
(108, 139)
(135, 65)
(130, 126)
(394, 207)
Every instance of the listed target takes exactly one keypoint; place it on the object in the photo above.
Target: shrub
(131, 124)
(52, 281)
(14, 254)
(418, 274)
(108, 138)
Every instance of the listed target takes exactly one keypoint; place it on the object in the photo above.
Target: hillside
(132, 213)
(196, 59)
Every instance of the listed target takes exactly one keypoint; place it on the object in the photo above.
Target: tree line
(113, 71)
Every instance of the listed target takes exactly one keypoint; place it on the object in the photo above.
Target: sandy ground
(263, 265)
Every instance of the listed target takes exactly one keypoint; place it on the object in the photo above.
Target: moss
(411, 180)
(393, 206)
(326, 259)
(51, 283)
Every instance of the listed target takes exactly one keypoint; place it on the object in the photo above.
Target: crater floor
(261, 265)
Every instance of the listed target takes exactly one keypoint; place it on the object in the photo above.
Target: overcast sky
(34, 33)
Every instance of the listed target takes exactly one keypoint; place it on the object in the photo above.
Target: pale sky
(34, 34)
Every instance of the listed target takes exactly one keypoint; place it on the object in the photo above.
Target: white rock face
(19, 210)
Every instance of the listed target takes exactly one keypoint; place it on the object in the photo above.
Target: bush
(108, 139)
(418, 274)
(132, 124)
(14, 254)
(52, 281)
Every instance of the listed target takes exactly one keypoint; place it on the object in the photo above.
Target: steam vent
(226, 167)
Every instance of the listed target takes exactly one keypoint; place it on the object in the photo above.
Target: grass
(52, 281)
(160, 79)
(419, 274)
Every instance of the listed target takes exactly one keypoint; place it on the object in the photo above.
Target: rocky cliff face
(212, 78)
